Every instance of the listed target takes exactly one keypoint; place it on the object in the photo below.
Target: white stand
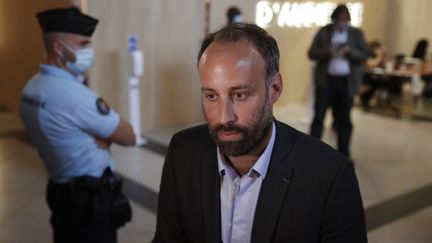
(136, 69)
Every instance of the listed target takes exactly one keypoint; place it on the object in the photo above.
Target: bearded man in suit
(244, 176)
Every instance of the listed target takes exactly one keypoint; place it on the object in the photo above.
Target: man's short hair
(259, 38)
(340, 9)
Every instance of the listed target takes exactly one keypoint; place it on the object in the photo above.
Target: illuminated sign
(302, 14)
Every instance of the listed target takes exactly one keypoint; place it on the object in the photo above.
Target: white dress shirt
(239, 195)
(339, 66)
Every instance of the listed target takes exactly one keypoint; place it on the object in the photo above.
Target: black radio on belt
(103, 197)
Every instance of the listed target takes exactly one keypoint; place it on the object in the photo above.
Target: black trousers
(72, 223)
(336, 95)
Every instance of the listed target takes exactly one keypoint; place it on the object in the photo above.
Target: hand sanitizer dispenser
(136, 70)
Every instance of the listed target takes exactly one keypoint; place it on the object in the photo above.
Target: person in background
(340, 52)
(72, 128)
(373, 82)
(245, 177)
(234, 15)
(421, 52)
(379, 55)
(421, 49)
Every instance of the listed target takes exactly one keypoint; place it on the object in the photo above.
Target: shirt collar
(57, 72)
(260, 166)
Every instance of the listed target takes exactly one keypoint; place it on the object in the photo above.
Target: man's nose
(227, 112)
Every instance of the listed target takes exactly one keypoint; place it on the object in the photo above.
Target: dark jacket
(310, 193)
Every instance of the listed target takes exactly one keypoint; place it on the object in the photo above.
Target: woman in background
(420, 52)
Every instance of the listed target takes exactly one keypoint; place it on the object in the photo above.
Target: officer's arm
(123, 134)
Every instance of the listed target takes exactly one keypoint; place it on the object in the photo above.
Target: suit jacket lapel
(273, 190)
(350, 39)
(328, 34)
(211, 196)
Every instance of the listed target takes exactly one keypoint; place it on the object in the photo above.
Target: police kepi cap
(69, 20)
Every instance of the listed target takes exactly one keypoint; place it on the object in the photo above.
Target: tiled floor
(393, 158)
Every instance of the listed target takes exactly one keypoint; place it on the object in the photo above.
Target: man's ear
(63, 52)
(58, 48)
(275, 88)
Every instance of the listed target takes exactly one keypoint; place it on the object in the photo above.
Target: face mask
(83, 60)
(238, 19)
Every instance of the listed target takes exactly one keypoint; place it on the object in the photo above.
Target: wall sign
(302, 14)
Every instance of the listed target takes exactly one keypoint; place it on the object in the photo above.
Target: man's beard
(253, 135)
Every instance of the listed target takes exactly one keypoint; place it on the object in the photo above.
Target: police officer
(71, 126)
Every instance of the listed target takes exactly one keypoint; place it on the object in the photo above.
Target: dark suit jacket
(358, 52)
(310, 193)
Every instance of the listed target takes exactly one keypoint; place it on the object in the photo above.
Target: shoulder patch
(102, 106)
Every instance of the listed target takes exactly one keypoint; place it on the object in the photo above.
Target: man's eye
(211, 97)
(240, 95)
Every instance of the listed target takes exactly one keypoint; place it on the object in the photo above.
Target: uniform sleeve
(94, 116)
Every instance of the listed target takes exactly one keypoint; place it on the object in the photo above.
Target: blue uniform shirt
(62, 117)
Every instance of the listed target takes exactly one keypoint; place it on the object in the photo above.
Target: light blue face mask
(83, 60)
